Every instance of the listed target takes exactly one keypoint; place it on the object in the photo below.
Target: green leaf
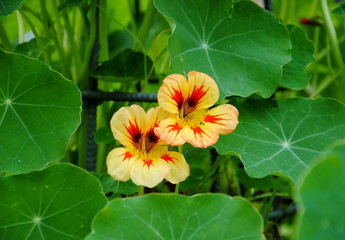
(294, 73)
(103, 136)
(284, 136)
(265, 183)
(322, 200)
(31, 48)
(339, 10)
(8, 6)
(39, 111)
(171, 216)
(111, 185)
(58, 202)
(128, 65)
(69, 3)
(242, 46)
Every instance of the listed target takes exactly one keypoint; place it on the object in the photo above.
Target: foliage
(283, 70)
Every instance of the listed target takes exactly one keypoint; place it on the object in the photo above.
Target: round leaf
(8, 6)
(39, 111)
(170, 216)
(284, 136)
(322, 200)
(242, 46)
(294, 73)
(58, 202)
(111, 185)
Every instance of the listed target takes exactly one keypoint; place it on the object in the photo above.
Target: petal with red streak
(203, 91)
(224, 118)
(149, 171)
(169, 130)
(172, 94)
(179, 168)
(128, 125)
(200, 136)
(119, 163)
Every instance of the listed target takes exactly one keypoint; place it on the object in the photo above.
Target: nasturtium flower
(144, 158)
(192, 120)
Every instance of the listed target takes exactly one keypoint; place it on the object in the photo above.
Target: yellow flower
(192, 121)
(144, 158)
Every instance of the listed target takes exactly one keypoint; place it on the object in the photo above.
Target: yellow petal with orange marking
(223, 118)
(200, 136)
(119, 163)
(179, 168)
(172, 94)
(169, 130)
(203, 91)
(128, 125)
(149, 171)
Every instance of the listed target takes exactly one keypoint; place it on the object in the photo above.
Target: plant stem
(20, 27)
(4, 38)
(177, 186)
(269, 205)
(141, 190)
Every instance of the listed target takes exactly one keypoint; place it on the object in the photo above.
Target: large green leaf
(294, 73)
(242, 46)
(8, 6)
(284, 136)
(321, 199)
(170, 216)
(39, 111)
(58, 202)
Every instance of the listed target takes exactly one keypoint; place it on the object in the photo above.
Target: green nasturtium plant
(245, 140)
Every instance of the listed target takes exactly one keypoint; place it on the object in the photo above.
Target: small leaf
(265, 183)
(339, 10)
(111, 185)
(242, 46)
(126, 66)
(322, 200)
(8, 6)
(103, 135)
(39, 111)
(31, 48)
(58, 202)
(172, 216)
(69, 3)
(294, 73)
(284, 136)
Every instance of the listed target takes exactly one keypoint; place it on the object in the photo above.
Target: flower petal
(224, 118)
(128, 125)
(149, 171)
(203, 92)
(179, 168)
(172, 94)
(169, 130)
(200, 136)
(119, 163)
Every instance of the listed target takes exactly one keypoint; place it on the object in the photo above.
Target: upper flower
(144, 158)
(192, 121)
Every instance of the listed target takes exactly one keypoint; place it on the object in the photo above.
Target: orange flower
(144, 158)
(192, 121)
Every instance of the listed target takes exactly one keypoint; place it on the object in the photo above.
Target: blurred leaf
(193, 180)
(119, 41)
(8, 6)
(36, 120)
(339, 10)
(242, 46)
(103, 136)
(322, 200)
(58, 202)
(265, 183)
(69, 3)
(126, 66)
(294, 73)
(31, 48)
(284, 136)
(172, 216)
(111, 185)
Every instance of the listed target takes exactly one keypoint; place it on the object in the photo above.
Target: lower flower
(145, 159)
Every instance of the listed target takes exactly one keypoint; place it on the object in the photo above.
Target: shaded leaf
(69, 3)
(103, 135)
(172, 216)
(30, 48)
(58, 202)
(242, 46)
(322, 200)
(128, 65)
(39, 111)
(339, 10)
(8, 6)
(284, 136)
(294, 73)
(111, 185)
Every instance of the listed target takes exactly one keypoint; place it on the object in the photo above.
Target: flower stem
(177, 186)
(141, 190)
